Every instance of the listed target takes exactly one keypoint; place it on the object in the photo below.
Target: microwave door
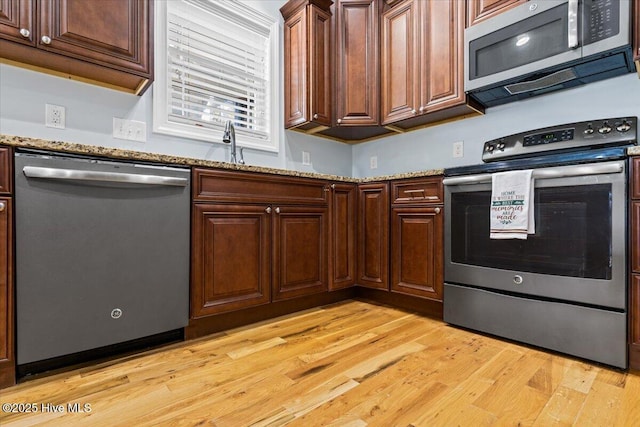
(606, 25)
(526, 39)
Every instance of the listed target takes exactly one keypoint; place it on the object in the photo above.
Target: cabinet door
(342, 253)
(373, 228)
(107, 32)
(357, 62)
(479, 10)
(636, 32)
(231, 258)
(635, 236)
(7, 364)
(16, 21)
(307, 67)
(6, 175)
(441, 55)
(634, 322)
(300, 250)
(399, 81)
(417, 251)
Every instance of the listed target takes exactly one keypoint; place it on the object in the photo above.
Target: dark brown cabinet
(636, 33)
(417, 233)
(307, 64)
(256, 239)
(357, 69)
(422, 63)
(231, 267)
(300, 244)
(373, 240)
(7, 359)
(107, 42)
(479, 10)
(342, 224)
(634, 241)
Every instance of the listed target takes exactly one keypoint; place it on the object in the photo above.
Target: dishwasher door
(102, 253)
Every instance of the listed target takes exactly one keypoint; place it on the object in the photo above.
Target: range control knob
(605, 128)
(589, 130)
(624, 127)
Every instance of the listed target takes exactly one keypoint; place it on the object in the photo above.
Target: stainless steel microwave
(546, 45)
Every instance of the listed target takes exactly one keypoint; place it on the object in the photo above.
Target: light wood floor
(349, 364)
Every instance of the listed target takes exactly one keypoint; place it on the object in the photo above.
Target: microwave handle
(573, 24)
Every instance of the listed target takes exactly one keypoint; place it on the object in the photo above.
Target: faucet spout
(229, 137)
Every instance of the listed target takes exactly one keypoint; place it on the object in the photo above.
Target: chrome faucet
(229, 136)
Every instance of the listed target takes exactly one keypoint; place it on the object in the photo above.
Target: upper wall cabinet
(102, 42)
(636, 33)
(422, 63)
(307, 64)
(479, 10)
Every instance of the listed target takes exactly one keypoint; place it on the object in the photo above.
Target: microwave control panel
(602, 20)
(574, 136)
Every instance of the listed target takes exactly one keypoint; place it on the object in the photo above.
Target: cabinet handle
(46, 40)
(339, 121)
(333, 186)
(277, 210)
(268, 210)
(25, 33)
(315, 116)
(422, 109)
(437, 210)
(413, 111)
(2, 206)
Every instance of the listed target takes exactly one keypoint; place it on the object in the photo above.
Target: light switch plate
(458, 149)
(373, 162)
(130, 130)
(306, 158)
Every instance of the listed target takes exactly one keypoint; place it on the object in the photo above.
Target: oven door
(577, 253)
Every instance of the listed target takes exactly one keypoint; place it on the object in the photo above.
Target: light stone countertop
(116, 153)
(634, 151)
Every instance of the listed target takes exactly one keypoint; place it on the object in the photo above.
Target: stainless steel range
(564, 287)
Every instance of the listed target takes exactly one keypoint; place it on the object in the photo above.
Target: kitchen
(91, 109)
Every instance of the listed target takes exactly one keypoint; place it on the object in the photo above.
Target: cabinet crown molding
(292, 6)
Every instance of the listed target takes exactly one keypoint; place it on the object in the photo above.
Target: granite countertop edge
(121, 154)
(633, 151)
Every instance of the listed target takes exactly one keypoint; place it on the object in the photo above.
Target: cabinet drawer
(423, 190)
(635, 177)
(6, 174)
(231, 186)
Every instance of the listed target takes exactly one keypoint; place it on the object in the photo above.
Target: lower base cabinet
(416, 251)
(231, 258)
(7, 358)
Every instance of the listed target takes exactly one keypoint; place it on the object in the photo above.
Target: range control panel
(574, 136)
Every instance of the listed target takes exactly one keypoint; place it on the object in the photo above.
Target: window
(215, 62)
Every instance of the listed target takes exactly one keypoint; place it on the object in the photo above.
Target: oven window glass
(542, 36)
(573, 233)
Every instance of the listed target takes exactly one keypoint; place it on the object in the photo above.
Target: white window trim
(161, 123)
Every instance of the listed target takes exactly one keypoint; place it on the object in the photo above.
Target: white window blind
(218, 68)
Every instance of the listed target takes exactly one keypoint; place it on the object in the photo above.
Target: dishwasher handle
(84, 175)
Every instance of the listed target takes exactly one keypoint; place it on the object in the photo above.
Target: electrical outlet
(54, 116)
(458, 149)
(306, 158)
(130, 130)
(373, 162)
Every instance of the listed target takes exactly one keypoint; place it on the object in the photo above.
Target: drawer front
(421, 191)
(231, 186)
(5, 171)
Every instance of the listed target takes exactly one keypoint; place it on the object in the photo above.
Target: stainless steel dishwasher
(102, 253)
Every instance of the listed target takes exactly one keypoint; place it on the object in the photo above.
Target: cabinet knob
(46, 39)
(339, 121)
(2, 206)
(277, 210)
(333, 186)
(25, 33)
(268, 210)
(315, 116)
(437, 210)
(422, 109)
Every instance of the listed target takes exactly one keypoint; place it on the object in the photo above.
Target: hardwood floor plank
(348, 364)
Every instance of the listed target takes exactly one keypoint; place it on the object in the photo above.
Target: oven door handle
(556, 172)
